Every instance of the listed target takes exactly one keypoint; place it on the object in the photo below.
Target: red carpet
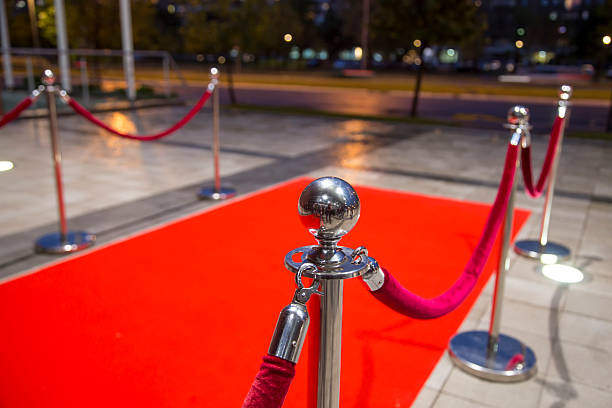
(180, 316)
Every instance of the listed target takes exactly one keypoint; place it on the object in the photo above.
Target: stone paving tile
(590, 304)
(426, 398)
(539, 294)
(561, 393)
(586, 331)
(451, 401)
(584, 365)
(525, 394)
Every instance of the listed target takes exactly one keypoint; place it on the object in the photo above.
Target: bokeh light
(6, 165)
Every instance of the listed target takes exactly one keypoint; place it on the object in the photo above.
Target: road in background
(470, 110)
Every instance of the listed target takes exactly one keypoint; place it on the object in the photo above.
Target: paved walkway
(115, 187)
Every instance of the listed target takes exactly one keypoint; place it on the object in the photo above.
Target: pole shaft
(62, 44)
(33, 23)
(503, 266)
(57, 160)
(7, 64)
(609, 121)
(29, 72)
(550, 191)
(330, 344)
(216, 143)
(84, 80)
(502, 269)
(166, 72)
(127, 44)
(365, 23)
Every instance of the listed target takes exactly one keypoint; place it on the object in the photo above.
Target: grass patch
(590, 135)
(315, 112)
(431, 83)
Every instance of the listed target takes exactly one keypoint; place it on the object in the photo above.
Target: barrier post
(29, 72)
(166, 74)
(490, 354)
(216, 192)
(542, 248)
(84, 80)
(5, 42)
(64, 241)
(329, 207)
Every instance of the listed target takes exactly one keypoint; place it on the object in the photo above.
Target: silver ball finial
(518, 115)
(329, 207)
(48, 78)
(214, 73)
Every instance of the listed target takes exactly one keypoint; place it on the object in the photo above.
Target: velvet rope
(555, 136)
(394, 295)
(90, 117)
(16, 111)
(271, 383)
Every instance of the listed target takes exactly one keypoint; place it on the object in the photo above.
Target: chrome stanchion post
(491, 354)
(329, 207)
(216, 192)
(29, 72)
(166, 74)
(542, 248)
(63, 241)
(84, 80)
(328, 394)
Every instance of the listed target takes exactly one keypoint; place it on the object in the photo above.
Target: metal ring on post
(216, 192)
(64, 241)
(292, 323)
(542, 249)
(490, 354)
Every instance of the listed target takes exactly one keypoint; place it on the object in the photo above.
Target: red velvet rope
(16, 111)
(394, 295)
(271, 383)
(555, 136)
(87, 115)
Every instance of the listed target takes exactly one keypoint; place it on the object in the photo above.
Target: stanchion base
(73, 241)
(512, 361)
(210, 193)
(550, 253)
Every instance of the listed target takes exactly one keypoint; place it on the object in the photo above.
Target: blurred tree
(332, 33)
(305, 15)
(588, 39)
(397, 23)
(210, 30)
(254, 26)
(19, 26)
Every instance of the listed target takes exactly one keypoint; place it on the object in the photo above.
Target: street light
(358, 53)
(606, 39)
(287, 37)
(519, 44)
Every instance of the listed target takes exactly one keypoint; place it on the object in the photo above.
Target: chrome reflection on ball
(329, 207)
(518, 115)
(565, 92)
(48, 77)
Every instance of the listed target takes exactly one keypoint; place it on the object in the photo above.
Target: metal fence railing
(32, 57)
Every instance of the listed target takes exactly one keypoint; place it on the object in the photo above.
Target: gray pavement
(115, 187)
